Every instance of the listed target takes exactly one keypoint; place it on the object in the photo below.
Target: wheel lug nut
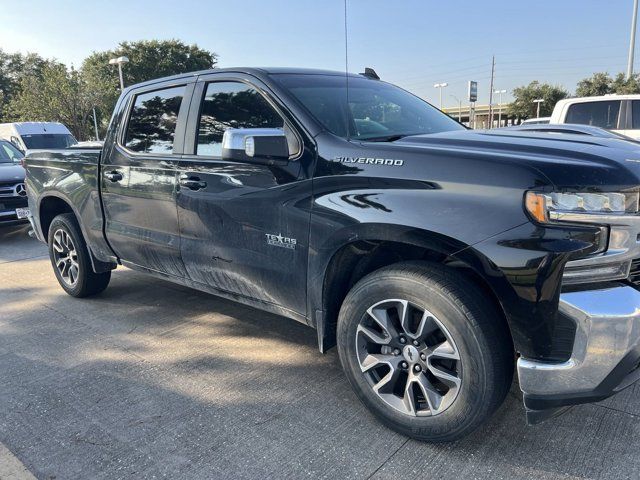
(403, 340)
(396, 351)
(423, 356)
(404, 365)
(417, 368)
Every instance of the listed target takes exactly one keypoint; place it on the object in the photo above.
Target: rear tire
(440, 373)
(70, 259)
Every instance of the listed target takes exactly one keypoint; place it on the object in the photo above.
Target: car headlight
(616, 213)
(556, 206)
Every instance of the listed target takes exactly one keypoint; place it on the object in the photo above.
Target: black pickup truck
(437, 259)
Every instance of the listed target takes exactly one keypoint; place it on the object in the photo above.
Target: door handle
(192, 183)
(114, 176)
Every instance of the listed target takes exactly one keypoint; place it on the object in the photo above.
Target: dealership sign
(473, 91)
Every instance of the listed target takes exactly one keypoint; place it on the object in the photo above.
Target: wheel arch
(54, 204)
(335, 269)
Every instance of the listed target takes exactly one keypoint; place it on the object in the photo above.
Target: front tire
(425, 350)
(70, 259)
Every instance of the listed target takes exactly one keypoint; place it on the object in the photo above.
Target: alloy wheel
(409, 358)
(65, 257)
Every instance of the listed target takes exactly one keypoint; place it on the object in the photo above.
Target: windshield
(9, 153)
(48, 140)
(376, 110)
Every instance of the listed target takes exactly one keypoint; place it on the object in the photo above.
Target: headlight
(550, 207)
(617, 216)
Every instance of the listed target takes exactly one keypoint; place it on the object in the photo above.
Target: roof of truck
(257, 71)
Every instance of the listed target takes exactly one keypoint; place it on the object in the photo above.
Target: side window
(599, 114)
(153, 120)
(635, 114)
(231, 105)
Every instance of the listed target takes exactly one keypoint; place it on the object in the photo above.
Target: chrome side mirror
(267, 146)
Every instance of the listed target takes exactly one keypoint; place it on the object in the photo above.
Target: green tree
(148, 59)
(523, 105)
(623, 86)
(598, 84)
(56, 95)
(13, 68)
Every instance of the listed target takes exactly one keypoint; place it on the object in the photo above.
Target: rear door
(245, 227)
(138, 181)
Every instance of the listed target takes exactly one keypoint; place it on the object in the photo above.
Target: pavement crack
(90, 442)
(390, 457)
(634, 415)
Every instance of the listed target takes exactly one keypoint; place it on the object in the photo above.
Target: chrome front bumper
(606, 351)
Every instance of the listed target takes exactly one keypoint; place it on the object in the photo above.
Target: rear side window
(599, 114)
(153, 120)
(232, 105)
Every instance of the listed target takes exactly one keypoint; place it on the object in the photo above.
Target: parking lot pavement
(151, 379)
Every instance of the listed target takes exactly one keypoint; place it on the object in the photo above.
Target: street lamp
(119, 61)
(538, 101)
(499, 92)
(440, 86)
(459, 108)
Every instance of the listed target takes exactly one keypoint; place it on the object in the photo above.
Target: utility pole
(493, 71)
(440, 86)
(499, 92)
(538, 101)
(632, 41)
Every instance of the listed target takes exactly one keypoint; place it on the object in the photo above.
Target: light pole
(440, 86)
(538, 101)
(499, 92)
(459, 108)
(119, 61)
(632, 41)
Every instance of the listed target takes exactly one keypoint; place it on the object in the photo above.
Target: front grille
(634, 274)
(11, 203)
(7, 189)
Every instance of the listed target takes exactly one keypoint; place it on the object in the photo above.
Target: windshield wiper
(386, 138)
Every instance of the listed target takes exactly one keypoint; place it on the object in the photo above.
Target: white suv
(619, 113)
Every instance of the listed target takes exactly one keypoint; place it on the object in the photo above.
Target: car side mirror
(264, 146)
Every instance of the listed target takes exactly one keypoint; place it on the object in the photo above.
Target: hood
(567, 160)
(11, 172)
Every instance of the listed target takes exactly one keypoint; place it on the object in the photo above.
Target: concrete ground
(151, 380)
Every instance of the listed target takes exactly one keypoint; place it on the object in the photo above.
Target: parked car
(536, 121)
(13, 193)
(619, 113)
(438, 259)
(37, 135)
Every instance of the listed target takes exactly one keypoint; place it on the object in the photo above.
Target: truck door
(244, 226)
(138, 181)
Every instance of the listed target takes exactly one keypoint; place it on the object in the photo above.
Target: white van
(37, 135)
(618, 113)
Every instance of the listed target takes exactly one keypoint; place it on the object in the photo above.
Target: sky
(412, 43)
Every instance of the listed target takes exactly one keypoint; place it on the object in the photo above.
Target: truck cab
(618, 113)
